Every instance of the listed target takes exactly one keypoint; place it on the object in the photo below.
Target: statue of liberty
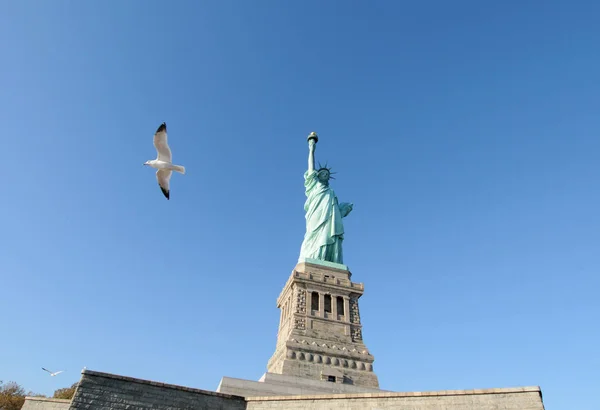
(324, 227)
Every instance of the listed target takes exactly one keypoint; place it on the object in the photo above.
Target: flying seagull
(53, 374)
(163, 160)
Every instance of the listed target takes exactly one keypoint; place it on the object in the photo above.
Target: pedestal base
(320, 334)
(271, 384)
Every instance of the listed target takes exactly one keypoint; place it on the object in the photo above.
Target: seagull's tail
(179, 169)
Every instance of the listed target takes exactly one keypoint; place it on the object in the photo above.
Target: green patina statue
(324, 227)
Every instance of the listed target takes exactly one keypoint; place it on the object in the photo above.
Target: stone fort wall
(111, 392)
(44, 403)
(523, 398)
(108, 391)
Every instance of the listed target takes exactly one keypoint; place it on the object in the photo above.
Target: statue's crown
(325, 168)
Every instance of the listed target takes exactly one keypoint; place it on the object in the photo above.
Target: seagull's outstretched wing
(161, 145)
(51, 373)
(163, 176)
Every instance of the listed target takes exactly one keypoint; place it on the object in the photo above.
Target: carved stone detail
(300, 300)
(356, 333)
(354, 315)
(300, 323)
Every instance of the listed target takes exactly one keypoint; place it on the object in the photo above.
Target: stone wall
(526, 398)
(107, 391)
(44, 403)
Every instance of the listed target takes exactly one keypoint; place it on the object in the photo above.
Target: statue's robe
(324, 227)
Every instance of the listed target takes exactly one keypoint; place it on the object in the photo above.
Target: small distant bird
(53, 374)
(163, 160)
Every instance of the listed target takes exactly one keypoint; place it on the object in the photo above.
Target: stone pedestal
(320, 333)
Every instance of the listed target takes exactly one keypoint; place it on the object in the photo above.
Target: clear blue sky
(466, 134)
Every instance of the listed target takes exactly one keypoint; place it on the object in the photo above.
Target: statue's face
(323, 176)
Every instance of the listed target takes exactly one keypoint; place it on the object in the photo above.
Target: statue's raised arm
(312, 144)
(324, 227)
